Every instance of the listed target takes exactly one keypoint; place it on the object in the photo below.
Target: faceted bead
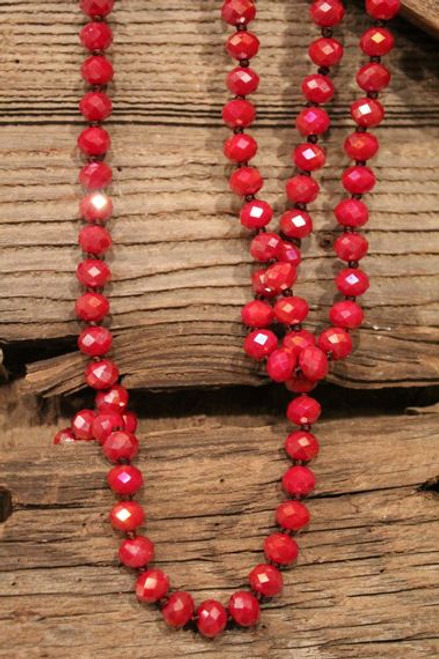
(291, 310)
(313, 363)
(113, 400)
(94, 141)
(373, 77)
(125, 480)
(242, 45)
(337, 341)
(309, 157)
(325, 52)
(327, 13)
(95, 175)
(257, 314)
(259, 286)
(367, 112)
(93, 273)
(127, 516)
(266, 580)
(246, 181)
(296, 224)
(259, 343)
(377, 41)
(292, 515)
(211, 618)
(358, 179)
(256, 214)
(96, 207)
(97, 70)
(317, 88)
(312, 121)
(105, 423)
(351, 246)
(302, 189)
(279, 548)
(240, 148)
(244, 608)
(95, 8)
(136, 552)
(92, 307)
(95, 106)
(352, 282)
(239, 113)
(152, 585)
(238, 12)
(82, 424)
(298, 481)
(120, 445)
(130, 422)
(95, 341)
(280, 365)
(383, 10)
(179, 609)
(361, 146)
(346, 314)
(102, 374)
(301, 445)
(242, 81)
(96, 35)
(94, 240)
(279, 277)
(304, 410)
(351, 213)
(289, 253)
(64, 436)
(298, 340)
(264, 247)
(299, 384)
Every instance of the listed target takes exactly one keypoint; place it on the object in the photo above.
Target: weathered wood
(424, 13)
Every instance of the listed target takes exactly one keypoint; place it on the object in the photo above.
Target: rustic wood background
(366, 583)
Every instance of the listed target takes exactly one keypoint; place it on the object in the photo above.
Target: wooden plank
(424, 13)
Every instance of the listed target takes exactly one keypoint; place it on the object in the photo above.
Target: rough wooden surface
(181, 267)
(424, 13)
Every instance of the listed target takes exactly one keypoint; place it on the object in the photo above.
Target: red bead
(105, 423)
(64, 436)
(299, 384)
(246, 181)
(179, 609)
(242, 45)
(377, 41)
(259, 343)
(279, 277)
(82, 424)
(113, 400)
(358, 179)
(152, 585)
(96, 35)
(289, 253)
(309, 157)
(291, 310)
(94, 141)
(127, 516)
(96, 207)
(256, 214)
(242, 81)
(95, 175)
(327, 13)
(383, 10)
(95, 106)
(346, 314)
(136, 552)
(130, 422)
(93, 273)
(240, 148)
(312, 121)
(264, 247)
(211, 618)
(92, 307)
(304, 410)
(239, 113)
(238, 12)
(120, 445)
(280, 365)
(352, 282)
(302, 189)
(97, 70)
(298, 481)
(279, 548)
(102, 374)
(367, 112)
(298, 340)
(351, 246)
(266, 580)
(292, 515)
(296, 224)
(301, 445)
(95, 341)
(325, 52)
(373, 77)
(257, 314)
(337, 341)
(351, 213)
(317, 88)
(313, 363)
(97, 7)
(94, 240)
(361, 146)
(125, 479)
(244, 608)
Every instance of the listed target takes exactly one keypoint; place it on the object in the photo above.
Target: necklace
(302, 359)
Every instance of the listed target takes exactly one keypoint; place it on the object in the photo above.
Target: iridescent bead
(127, 516)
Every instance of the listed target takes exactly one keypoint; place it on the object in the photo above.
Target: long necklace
(302, 359)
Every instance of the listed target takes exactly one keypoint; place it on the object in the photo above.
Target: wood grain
(424, 13)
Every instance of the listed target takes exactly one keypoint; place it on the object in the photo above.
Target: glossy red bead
(373, 77)
(242, 81)
(346, 314)
(242, 45)
(280, 365)
(313, 363)
(302, 446)
(82, 424)
(298, 481)
(96, 207)
(266, 580)
(152, 586)
(238, 113)
(367, 112)
(352, 282)
(105, 423)
(377, 41)
(64, 436)
(256, 214)
(259, 343)
(309, 157)
(96, 35)
(281, 549)
(351, 213)
(337, 341)
(238, 12)
(102, 374)
(279, 277)
(296, 224)
(94, 240)
(246, 181)
(289, 253)
(95, 106)
(257, 314)
(298, 340)
(265, 246)
(351, 246)
(136, 552)
(93, 273)
(127, 516)
(298, 384)
(113, 400)
(327, 13)
(302, 189)
(179, 609)
(318, 88)
(361, 146)
(125, 480)
(95, 8)
(358, 179)
(240, 148)
(291, 310)
(120, 445)
(92, 307)
(97, 70)
(95, 175)
(325, 52)
(130, 421)
(304, 410)
(94, 141)
(312, 121)
(95, 341)
(211, 618)
(383, 10)
(244, 608)
(292, 515)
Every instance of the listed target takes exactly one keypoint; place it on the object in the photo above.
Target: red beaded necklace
(302, 358)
